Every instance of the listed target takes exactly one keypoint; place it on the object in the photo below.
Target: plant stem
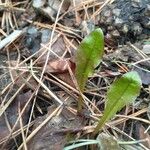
(100, 125)
(80, 103)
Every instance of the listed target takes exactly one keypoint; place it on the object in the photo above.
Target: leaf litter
(46, 124)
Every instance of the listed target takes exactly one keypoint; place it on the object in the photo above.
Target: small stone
(129, 17)
(32, 30)
(147, 23)
(38, 3)
(136, 1)
(125, 29)
(33, 39)
(110, 28)
(116, 12)
(115, 33)
(86, 27)
(102, 20)
(137, 29)
(107, 13)
(118, 22)
(46, 34)
(109, 21)
(147, 11)
(146, 49)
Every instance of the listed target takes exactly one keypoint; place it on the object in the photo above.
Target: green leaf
(122, 92)
(89, 55)
(83, 143)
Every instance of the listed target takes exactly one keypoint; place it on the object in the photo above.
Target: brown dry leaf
(11, 115)
(58, 50)
(66, 78)
(53, 135)
(59, 66)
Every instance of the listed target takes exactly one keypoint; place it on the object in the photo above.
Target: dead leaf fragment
(11, 115)
(52, 136)
(59, 66)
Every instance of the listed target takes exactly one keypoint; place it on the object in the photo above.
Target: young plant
(89, 55)
(122, 92)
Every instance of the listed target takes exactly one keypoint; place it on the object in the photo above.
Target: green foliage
(105, 142)
(122, 92)
(80, 143)
(89, 55)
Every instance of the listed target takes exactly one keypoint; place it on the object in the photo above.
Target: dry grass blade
(10, 38)
(99, 10)
(52, 34)
(22, 131)
(48, 71)
(4, 107)
(45, 87)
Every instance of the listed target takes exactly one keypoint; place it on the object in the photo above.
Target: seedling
(122, 92)
(89, 55)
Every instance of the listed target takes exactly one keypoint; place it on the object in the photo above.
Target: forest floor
(38, 94)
